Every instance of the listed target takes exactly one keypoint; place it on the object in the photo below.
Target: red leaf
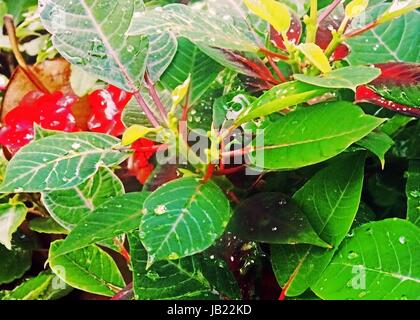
(294, 34)
(324, 36)
(365, 94)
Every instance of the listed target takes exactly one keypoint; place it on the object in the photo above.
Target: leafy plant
(184, 147)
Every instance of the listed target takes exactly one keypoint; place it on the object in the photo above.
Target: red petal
(294, 34)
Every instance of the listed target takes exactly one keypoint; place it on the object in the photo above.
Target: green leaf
(273, 218)
(46, 225)
(14, 263)
(117, 216)
(44, 286)
(60, 161)
(396, 124)
(311, 135)
(92, 34)
(379, 262)
(190, 61)
(199, 26)
(89, 269)
(378, 143)
(18, 8)
(348, 77)
(281, 97)
(330, 200)
(188, 278)
(68, 207)
(413, 192)
(396, 40)
(182, 218)
(11, 217)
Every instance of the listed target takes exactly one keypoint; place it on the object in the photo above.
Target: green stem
(312, 22)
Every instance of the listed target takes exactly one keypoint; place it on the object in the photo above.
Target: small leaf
(81, 81)
(182, 218)
(11, 217)
(89, 269)
(117, 216)
(273, 218)
(316, 56)
(355, 8)
(68, 207)
(180, 92)
(60, 161)
(347, 77)
(377, 263)
(297, 139)
(281, 97)
(42, 287)
(46, 225)
(276, 13)
(134, 133)
(378, 143)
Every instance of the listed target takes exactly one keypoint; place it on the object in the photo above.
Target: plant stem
(312, 22)
(276, 69)
(125, 294)
(145, 108)
(11, 31)
(156, 99)
(272, 54)
(329, 10)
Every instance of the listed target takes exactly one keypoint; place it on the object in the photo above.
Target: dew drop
(402, 239)
(352, 255)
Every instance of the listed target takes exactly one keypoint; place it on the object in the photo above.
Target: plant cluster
(210, 149)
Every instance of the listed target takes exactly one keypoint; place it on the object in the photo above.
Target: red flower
(50, 111)
(107, 106)
(139, 164)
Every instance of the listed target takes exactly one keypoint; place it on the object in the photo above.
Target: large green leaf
(190, 61)
(199, 26)
(92, 34)
(311, 135)
(42, 287)
(182, 218)
(68, 207)
(413, 192)
(188, 278)
(11, 217)
(330, 201)
(117, 216)
(396, 40)
(348, 77)
(60, 161)
(280, 97)
(380, 261)
(14, 263)
(271, 217)
(89, 269)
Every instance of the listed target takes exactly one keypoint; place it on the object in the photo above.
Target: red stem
(209, 173)
(363, 29)
(272, 54)
(329, 10)
(124, 294)
(145, 108)
(123, 250)
(155, 96)
(222, 172)
(276, 69)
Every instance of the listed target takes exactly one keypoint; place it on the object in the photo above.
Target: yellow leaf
(134, 133)
(356, 7)
(280, 17)
(316, 56)
(275, 13)
(180, 92)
